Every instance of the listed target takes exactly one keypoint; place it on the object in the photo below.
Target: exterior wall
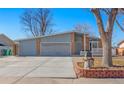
(120, 51)
(38, 46)
(78, 43)
(72, 43)
(87, 42)
(121, 45)
(14, 49)
(35, 47)
(69, 42)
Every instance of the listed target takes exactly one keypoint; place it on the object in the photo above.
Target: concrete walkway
(69, 81)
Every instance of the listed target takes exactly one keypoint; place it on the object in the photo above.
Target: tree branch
(119, 25)
(117, 22)
(99, 22)
(111, 20)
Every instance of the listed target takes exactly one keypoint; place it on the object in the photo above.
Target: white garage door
(55, 49)
(27, 48)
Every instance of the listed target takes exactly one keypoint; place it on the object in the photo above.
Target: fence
(98, 52)
(94, 52)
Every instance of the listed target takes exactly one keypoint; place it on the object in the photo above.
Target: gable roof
(5, 39)
(121, 42)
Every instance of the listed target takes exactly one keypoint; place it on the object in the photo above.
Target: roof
(121, 42)
(48, 35)
(94, 38)
(7, 38)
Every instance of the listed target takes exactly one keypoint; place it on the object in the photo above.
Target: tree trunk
(107, 53)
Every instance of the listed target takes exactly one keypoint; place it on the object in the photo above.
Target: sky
(64, 19)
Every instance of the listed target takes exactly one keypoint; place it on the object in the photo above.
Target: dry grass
(118, 61)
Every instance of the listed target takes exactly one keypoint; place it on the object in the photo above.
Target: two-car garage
(54, 45)
(62, 44)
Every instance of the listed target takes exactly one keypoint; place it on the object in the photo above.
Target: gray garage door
(27, 48)
(55, 49)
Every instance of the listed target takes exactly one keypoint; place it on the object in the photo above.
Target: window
(93, 44)
(2, 45)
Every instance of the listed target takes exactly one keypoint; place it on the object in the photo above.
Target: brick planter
(98, 72)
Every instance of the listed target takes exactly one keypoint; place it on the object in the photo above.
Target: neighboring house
(120, 49)
(62, 44)
(6, 43)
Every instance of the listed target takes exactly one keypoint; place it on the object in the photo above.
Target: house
(120, 49)
(62, 44)
(6, 43)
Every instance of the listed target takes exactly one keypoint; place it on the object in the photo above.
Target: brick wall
(73, 43)
(98, 73)
(38, 42)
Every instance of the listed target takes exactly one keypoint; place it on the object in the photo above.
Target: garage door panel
(55, 49)
(27, 48)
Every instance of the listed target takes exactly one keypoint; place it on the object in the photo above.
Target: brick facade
(73, 43)
(38, 42)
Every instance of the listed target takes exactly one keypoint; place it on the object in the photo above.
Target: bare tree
(107, 30)
(84, 28)
(38, 22)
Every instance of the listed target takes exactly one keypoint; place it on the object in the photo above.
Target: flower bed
(99, 72)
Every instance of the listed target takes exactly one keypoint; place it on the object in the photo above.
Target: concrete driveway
(44, 70)
(14, 69)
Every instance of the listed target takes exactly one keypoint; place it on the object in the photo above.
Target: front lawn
(118, 61)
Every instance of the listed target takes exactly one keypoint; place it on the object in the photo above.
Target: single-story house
(120, 49)
(6, 43)
(62, 44)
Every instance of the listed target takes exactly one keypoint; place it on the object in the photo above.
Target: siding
(78, 43)
(57, 38)
(87, 42)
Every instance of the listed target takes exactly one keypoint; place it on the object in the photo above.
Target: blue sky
(64, 19)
